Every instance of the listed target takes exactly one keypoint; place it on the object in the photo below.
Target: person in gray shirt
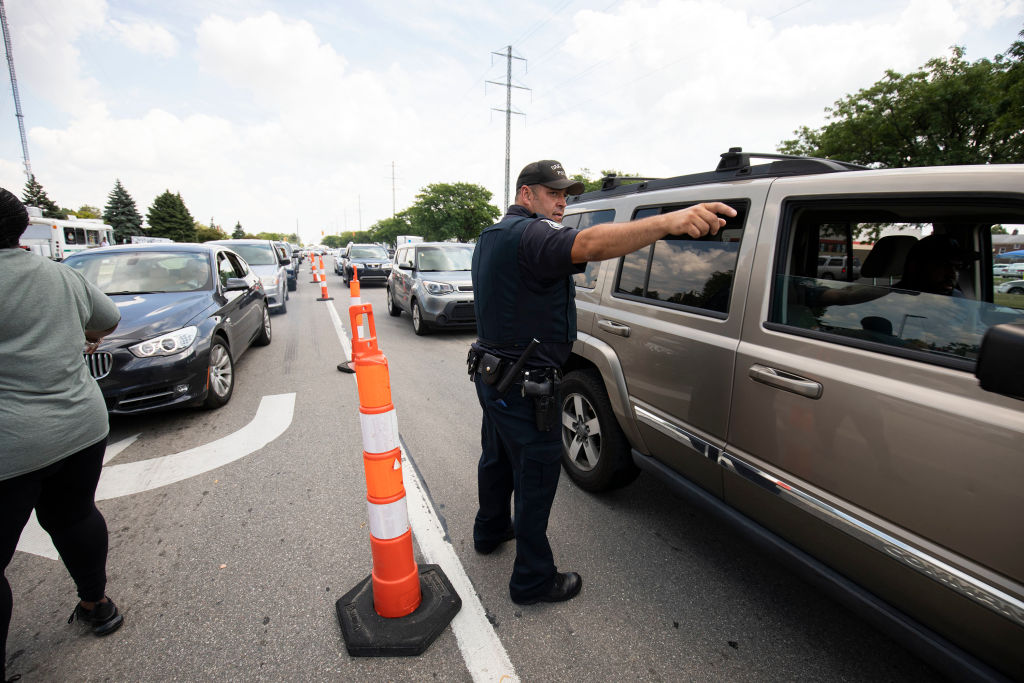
(53, 420)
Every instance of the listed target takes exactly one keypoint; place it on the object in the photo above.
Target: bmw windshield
(139, 273)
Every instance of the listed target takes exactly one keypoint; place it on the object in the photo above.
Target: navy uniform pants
(519, 465)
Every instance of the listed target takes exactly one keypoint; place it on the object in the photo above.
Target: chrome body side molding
(962, 583)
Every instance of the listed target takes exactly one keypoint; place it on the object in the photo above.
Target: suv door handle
(786, 381)
(613, 327)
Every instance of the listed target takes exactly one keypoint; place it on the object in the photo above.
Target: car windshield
(135, 272)
(256, 254)
(368, 252)
(445, 258)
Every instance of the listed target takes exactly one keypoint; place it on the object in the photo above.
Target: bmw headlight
(438, 287)
(166, 344)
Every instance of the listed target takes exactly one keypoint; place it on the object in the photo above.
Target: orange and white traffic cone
(401, 607)
(355, 300)
(323, 291)
(312, 267)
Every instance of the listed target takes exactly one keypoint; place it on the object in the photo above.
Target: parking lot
(231, 571)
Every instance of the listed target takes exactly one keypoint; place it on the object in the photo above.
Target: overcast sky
(283, 114)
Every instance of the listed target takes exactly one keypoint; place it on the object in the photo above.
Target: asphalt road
(233, 573)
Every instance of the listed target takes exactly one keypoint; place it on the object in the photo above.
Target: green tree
(446, 210)
(591, 184)
(332, 241)
(275, 236)
(388, 229)
(120, 214)
(949, 112)
(294, 238)
(87, 211)
(238, 234)
(205, 233)
(169, 218)
(35, 195)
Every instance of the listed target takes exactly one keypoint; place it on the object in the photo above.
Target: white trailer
(55, 238)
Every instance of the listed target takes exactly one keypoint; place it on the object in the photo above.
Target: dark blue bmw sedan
(188, 312)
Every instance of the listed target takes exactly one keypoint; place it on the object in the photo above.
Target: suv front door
(673, 323)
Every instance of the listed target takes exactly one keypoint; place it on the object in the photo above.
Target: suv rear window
(880, 303)
(682, 271)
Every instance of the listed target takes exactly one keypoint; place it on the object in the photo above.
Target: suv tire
(419, 325)
(393, 310)
(595, 452)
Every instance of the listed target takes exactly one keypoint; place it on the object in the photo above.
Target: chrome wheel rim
(581, 432)
(416, 321)
(266, 321)
(220, 371)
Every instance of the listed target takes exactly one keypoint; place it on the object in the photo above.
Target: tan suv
(839, 422)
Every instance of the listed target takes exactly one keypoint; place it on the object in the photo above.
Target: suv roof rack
(735, 165)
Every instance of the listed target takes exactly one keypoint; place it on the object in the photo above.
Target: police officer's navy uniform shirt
(545, 256)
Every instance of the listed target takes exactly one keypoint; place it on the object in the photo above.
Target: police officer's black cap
(548, 173)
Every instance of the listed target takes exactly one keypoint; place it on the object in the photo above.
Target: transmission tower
(507, 54)
(14, 88)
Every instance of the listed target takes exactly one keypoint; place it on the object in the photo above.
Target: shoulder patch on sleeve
(552, 224)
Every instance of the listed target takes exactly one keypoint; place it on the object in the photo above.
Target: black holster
(542, 387)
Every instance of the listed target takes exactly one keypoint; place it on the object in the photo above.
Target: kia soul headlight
(166, 344)
(269, 280)
(438, 287)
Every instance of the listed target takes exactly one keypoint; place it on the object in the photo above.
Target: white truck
(55, 238)
(407, 239)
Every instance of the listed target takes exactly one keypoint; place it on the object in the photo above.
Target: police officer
(526, 323)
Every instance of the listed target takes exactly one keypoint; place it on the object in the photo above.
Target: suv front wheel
(595, 452)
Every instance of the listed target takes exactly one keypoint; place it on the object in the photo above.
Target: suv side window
(588, 278)
(680, 270)
(404, 257)
(877, 305)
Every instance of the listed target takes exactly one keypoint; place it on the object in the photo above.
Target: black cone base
(320, 298)
(367, 634)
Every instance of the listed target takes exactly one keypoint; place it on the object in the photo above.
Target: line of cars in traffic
(430, 281)
(188, 313)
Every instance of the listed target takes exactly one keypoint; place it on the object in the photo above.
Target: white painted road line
(481, 648)
(272, 418)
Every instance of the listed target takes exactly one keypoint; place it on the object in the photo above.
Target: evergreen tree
(238, 234)
(121, 214)
(35, 195)
(169, 218)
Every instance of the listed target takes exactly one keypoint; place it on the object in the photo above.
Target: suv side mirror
(284, 261)
(1000, 367)
(235, 284)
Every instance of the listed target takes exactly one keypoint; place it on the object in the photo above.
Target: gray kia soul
(866, 427)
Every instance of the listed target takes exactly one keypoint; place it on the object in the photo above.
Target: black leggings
(63, 495)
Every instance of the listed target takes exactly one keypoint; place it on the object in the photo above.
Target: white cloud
(270, 118)
(145, 37)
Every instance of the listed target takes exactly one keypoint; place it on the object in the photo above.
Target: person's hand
(699, 220)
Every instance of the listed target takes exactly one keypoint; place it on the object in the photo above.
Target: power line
(508, 110)
(14, 89)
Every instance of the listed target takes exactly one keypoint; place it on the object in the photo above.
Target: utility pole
(14, 88)
(508, 110)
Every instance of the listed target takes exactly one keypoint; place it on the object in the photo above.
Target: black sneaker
(103, 619)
